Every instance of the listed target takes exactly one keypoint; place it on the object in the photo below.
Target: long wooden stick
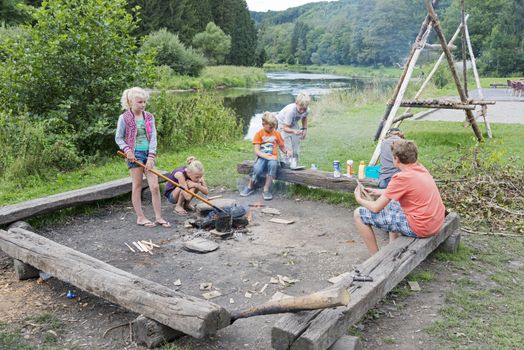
(389, 105)
(120, 153)
(449, 57)
(484, 109)
(328, 298)
(430, 75)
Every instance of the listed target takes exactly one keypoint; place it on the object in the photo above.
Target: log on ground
(387, 268)
(181, 312)
(315, 178)
(27, 209)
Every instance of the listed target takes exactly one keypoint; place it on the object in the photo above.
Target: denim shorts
(264, 166)
(384, 183)
(390, 219)
(140, 156)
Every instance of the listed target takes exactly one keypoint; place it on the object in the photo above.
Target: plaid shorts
(390, 219)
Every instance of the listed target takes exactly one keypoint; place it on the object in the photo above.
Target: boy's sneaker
(247, 192)
(267, 196)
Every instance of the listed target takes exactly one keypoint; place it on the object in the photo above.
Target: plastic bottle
(362, 170)
(349, 171)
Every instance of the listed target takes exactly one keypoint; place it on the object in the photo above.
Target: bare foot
(180, 211)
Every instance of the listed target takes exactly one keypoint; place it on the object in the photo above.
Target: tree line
(184, 18)
(380, 32)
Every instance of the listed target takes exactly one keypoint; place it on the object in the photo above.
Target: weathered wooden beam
(438, 47)
(24, 210)
(308, 177)
(178, 311)
(387, 268)
(402, 117)
(436, 105)
(436, 101)
(151, 333)
(451, 64)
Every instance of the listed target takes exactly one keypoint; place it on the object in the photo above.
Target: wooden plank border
(181, 312)
(308, 177)
(44, 205)
(318, 331)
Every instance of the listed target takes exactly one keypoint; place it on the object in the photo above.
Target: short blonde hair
(303, 99)
(131, 94)
(269, 119)
(194, 165)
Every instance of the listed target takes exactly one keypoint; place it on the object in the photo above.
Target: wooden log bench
(318, 330)
(315, 178)
(183, 313)
(44, 205)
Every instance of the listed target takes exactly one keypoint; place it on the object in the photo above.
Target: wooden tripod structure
(432, 22)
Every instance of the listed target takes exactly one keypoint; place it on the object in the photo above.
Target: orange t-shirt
(269, 142)
(419, 198)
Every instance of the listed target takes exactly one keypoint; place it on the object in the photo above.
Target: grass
(484, 308)
(213, 77)
(352, 71)
(50, 329)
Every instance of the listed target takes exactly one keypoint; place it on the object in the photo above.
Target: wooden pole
(430, 75)
(443, 43)
(390, 103)
(484, 108)
(464, 56)
(418, 45)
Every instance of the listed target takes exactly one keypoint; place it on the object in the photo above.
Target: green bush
(33, 148)
(170, 51)
(199, 119)
(213, 43)
(72, 64)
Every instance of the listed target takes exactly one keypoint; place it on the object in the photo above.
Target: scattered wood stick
(483, 233)
(138, 246)
(282, 221)
(144, 248)
(127, 245)
(153, 244)
(115, 327)
(214, 197)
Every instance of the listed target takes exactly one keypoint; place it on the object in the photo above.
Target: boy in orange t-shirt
(410, 205)
(266, 141)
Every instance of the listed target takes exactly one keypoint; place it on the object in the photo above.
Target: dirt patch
(321, 243)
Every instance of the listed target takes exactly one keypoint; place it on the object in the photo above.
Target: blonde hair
(131, 94)
(303, 99)
(194, 165)
(269, 119)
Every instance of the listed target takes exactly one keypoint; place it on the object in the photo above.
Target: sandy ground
(322, 243)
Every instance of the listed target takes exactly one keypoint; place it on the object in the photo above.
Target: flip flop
(146, 224)
(164, 224)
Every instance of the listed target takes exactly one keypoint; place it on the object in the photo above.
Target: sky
(276, 5)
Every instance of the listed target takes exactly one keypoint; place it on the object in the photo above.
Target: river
(281, 89)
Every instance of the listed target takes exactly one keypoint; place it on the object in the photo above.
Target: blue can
(336, 168)
(71, 294)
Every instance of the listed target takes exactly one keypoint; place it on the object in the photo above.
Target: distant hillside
(380, 32)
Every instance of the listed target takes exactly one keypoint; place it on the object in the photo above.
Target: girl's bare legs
(136, 195)
(182, 200)
(152, 181)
